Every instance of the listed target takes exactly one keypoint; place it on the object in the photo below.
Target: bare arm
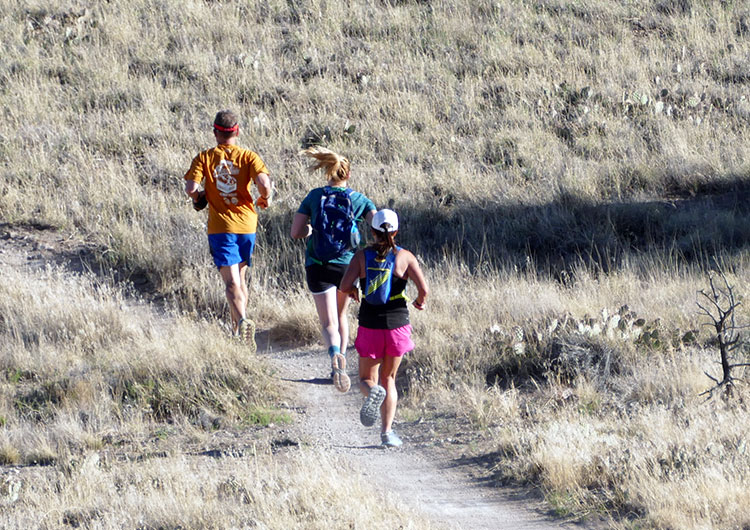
(263, 183)
(265, 189)
(353, 272)
(414, 273)
(300, 226)
(368, 217)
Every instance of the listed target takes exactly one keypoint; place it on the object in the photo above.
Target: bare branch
(713, 287)
(721, 310)
(706, 311)
(715, 304)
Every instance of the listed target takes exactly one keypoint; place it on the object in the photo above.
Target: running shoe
(246, 332)
(371, 408)
(390, 439)
(340, 380)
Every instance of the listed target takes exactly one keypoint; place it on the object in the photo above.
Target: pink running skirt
(377, 343)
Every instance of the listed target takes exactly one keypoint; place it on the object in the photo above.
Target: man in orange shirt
(227, 172)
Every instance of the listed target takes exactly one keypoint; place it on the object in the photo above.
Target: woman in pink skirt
(384, 336)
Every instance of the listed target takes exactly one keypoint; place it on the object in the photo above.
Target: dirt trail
(428, 481)
(431, 484)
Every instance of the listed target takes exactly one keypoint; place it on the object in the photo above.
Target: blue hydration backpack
(335, 228)
(378, 277)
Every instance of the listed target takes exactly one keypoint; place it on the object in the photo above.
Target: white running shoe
(391, 439)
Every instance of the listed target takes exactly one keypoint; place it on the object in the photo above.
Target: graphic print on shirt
(226, 183)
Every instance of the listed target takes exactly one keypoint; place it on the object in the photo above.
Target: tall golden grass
(552, 162)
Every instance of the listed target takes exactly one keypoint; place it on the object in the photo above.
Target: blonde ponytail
(336, 167)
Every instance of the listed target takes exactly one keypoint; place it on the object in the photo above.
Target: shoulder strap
(402, 294)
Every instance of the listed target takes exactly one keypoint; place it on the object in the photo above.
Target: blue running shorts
(230, 249)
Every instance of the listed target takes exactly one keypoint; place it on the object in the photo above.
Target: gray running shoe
(371, 408)
(340, 380)
(390, 439)
(246, 333)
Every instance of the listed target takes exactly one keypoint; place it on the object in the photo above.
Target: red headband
(233, 128)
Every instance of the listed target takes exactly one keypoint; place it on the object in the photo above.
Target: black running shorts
(322, 277)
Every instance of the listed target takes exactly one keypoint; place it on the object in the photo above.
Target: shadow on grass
(700, 227)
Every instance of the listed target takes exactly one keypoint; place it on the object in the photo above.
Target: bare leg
(243, 285)
(388, 381)
(236, 291)
(368, 374)
(325, 304)
(342, 304)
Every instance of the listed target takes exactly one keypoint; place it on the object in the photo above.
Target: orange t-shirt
(228, 172)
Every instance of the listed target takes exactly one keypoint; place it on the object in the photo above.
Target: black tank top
(391, 315)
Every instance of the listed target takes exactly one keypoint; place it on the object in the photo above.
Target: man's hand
(265, 202)
(200, 201)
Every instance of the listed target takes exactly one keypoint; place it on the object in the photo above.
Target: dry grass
(106, 408)
(598, 416)
(260, 490)
(81, 366)
(551, 161)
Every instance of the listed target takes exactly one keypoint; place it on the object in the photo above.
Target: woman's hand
(354, 294)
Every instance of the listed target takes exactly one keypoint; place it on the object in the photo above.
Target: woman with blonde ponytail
(328, 218)
(382, 271)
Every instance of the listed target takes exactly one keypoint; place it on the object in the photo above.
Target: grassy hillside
(552, 162)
